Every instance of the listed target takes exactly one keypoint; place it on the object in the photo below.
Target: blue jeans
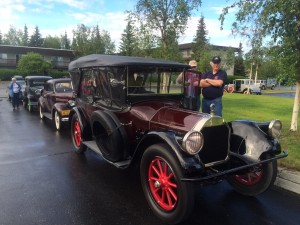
(218, 105)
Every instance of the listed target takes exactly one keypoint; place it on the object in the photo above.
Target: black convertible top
(96, 60)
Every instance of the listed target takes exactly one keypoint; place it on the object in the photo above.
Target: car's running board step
(93, 146)
(48, 115)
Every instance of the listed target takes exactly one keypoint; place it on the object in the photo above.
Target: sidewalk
(288, 179)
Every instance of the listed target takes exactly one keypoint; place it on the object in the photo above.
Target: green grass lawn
(262, 108)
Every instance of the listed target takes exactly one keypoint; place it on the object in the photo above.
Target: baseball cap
(193, 63)
(216, 60)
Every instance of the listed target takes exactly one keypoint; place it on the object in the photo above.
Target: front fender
(188, 162)
(250, 142)
(87, 133)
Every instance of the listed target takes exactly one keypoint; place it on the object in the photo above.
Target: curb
(288, 180)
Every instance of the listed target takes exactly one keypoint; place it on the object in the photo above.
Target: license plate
(65, 112)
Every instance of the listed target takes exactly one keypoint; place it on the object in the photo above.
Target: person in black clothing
(212, 85)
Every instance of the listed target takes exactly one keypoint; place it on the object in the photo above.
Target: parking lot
(42, 181)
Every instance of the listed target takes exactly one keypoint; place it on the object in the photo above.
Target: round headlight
(193, 142)
(275, 127)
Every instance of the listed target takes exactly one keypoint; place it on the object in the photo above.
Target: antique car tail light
(275, 127)
(193, 142)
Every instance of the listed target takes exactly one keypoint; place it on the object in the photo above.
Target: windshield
(155, 81)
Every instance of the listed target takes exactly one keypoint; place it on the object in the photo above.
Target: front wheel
(41, 112)
(57, 121)
(76, 134)
(170, 199)
(257, 182)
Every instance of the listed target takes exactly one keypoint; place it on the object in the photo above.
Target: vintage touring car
(130, 111)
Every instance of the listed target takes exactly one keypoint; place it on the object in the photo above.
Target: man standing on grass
(212, 85)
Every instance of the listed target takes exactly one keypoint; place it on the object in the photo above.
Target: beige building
(59, 58)
(186, 50)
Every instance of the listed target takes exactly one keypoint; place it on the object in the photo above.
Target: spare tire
(110, 135)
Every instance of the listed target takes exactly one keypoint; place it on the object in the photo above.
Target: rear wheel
(170, 199)
(76, 134)
(257, 182)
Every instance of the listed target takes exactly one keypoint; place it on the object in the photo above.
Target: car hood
(166, 116)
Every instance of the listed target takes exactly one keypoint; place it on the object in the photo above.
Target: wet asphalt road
(42, 181)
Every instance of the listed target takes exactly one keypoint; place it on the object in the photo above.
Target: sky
(55, 17)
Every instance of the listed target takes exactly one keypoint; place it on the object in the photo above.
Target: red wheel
(170, 199)
(76, 134)
(163, 185)
(249, 178)
(256, 182)
(230, 89)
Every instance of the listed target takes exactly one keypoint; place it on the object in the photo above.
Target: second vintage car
(53, 102)
(130, 111)
(32, 92)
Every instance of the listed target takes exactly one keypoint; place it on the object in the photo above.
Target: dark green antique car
(130, 111)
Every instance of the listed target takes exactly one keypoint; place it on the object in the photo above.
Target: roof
(37, 77)
(59, 80)
(96, 60)
(188, 46)
(43, 51)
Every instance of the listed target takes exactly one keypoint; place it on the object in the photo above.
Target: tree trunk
(296, 108)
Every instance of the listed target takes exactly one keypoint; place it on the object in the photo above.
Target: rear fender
(189, 163)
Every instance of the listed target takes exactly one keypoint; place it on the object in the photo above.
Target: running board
(93, 146)
(47, 115)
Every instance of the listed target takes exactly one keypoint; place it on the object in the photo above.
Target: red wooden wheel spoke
(162, 184)
(249, 178)
(77, 133)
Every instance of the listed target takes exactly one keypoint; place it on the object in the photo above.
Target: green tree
(52, 42)
(33, 64)
(239, 67)
(13, 36)
(280, 21)
(168, 17)
(36, 39)
(1, 38)
(128, 43)
(65, 42)
(200, 42)
(25, 36)
(88, 40)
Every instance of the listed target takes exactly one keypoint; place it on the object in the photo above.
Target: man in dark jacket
(212, 85)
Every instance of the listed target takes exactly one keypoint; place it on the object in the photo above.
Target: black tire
(76, 134)
(181, 202)
(25, 101)
(255, 183)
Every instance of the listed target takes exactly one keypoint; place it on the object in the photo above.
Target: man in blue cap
(212, 84)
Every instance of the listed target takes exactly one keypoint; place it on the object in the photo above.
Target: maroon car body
(130, 111)
(53, 102)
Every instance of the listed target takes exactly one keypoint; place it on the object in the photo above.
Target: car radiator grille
(216, 144)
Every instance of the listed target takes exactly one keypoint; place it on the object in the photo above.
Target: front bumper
(221, 174)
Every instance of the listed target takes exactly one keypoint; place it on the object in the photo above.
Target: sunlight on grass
(262, 108)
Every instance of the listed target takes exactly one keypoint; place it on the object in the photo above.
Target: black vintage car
(32, 92)
(53, 102)
(130, 111)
